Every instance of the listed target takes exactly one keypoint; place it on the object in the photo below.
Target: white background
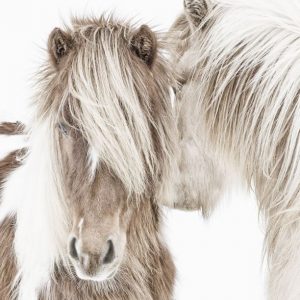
(218, 259)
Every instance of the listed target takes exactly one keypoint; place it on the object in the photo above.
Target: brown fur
(197, 11)
(144, 250)
(10, 163)
(8, 260)
(7, 257)
(10, 128)
(102, 206)
(144, 44)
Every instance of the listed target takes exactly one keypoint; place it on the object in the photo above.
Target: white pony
(239, 67)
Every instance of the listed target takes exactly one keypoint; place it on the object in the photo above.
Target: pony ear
(144, 45)
(59, 45)
(196, 11)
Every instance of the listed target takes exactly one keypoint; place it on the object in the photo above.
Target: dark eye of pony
(177, 89)
(63, 128)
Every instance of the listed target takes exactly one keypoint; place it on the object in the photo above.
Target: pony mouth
(101, 276)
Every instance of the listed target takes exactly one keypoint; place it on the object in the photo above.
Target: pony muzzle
(94, 265)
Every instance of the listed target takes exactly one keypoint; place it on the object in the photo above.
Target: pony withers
(238, 67)
(78, 208)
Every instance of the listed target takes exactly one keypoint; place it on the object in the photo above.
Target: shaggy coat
(102, 140)
(239, 65)
(148, 272)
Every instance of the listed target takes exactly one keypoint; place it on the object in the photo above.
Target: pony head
(105, 102)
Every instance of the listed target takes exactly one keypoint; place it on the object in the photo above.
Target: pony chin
(101, 277)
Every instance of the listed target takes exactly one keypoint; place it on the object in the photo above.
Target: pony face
(99, 210)
(107, 103)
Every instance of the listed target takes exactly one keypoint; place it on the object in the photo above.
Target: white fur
(80, 224)
(198, 176)
(41, 224)
(93, 160)
(255, 121)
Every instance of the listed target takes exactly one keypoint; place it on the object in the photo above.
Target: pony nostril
(73, 251)
(110, 255)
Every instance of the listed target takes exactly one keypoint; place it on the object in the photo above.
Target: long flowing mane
(249, 90)
(117, 104)
(243, 69)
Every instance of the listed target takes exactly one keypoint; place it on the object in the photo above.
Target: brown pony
(78, 213)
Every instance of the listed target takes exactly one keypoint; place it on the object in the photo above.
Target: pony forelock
(107, 94)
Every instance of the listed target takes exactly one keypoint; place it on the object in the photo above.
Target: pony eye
(177, 89)
(63, 128)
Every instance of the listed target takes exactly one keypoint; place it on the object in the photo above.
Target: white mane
(33, 194)
(104, 100)
(101, 80)
(245, 70)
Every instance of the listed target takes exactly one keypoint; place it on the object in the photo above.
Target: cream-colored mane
(239, 65)
(112, 103)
